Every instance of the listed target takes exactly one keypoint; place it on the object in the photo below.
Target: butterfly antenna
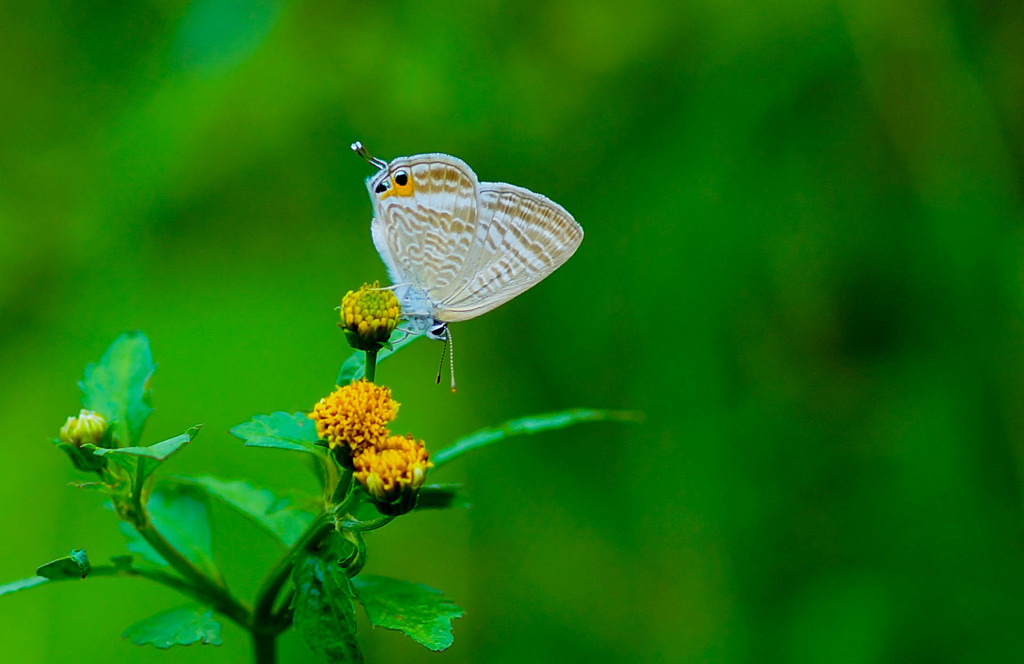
(358, 148)
(440, 365)
(447, 342)
(451, 356)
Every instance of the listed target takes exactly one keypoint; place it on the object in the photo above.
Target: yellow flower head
(355, 416)
(87, 428)
(369, 316)
(393, 472)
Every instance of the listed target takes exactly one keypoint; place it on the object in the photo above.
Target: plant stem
(371, 365)
(264, 648)
(216, 593)
(169, 580)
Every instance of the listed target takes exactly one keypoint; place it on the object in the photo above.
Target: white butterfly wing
(520, 238)
(424, 229)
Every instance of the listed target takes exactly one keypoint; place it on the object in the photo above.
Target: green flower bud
(89, 428)
(86, 429)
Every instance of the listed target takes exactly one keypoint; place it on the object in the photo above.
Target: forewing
(424, 233)
(521, 237)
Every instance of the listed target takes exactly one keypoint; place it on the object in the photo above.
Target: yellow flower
(393, 472)
(87, 428)
(355, 416)
(369, 316)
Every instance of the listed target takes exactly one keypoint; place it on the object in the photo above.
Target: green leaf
(354, 367)
(324, 612)
(441, 496)
(528, 425)
(73, 566)
(180, 513)
(420, 612)
(182, 626)
(117, 387)
(279, 516)
(22, 584)
(151, 457)
(294, 431)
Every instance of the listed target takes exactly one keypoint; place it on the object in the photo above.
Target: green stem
(156, 576)
(262, 615)
(215, 593)
(264, 648)
(342, 493)
(371, 365)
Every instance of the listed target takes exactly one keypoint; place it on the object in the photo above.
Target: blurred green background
(803, 261)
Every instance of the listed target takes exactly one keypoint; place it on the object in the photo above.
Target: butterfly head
(438, 330)
(392, 179)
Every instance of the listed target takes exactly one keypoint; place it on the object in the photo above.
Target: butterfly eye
(399, 184)
(404, 184)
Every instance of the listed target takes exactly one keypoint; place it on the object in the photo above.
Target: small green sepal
(83, 458)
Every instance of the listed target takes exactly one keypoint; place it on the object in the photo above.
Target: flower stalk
(371, 365)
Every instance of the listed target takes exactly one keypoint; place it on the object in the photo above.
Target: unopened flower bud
(89, 428)
(86, 429)
(369, 316)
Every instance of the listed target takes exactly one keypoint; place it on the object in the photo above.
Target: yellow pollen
(355, 415)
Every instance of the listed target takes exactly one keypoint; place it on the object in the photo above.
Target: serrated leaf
(180, 514)
(286, 431)
(73, 566)
(277, 515)
(418, 611)
(182, 626)
(529, 425)
(151, 456)
(441, 496)
(22, 584)
(354, 367)
(323, 610)
(117, 387)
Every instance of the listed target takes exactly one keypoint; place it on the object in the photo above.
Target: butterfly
(455, 247)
